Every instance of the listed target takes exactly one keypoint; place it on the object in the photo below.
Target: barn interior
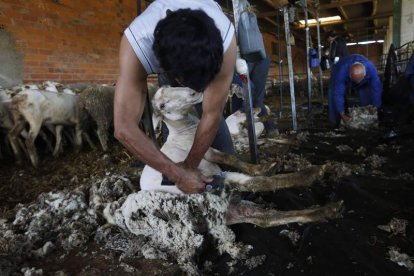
(51, 222)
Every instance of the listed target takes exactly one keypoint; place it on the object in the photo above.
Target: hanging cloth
(249, 36)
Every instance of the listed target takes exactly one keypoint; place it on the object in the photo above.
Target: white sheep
(174, 222)
(174, 106)
(6, 119)
(53, 86)
(40, 107)
(5, 116)
(236, 123)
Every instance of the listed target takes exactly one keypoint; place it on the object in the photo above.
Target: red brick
(57, 45)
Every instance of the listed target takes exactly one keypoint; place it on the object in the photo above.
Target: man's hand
(190, 180)
(345, 117)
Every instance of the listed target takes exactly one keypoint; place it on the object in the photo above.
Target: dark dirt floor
(351, 245)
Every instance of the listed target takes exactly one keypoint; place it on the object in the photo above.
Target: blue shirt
(371, 81)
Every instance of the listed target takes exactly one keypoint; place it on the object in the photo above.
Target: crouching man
(356, 72)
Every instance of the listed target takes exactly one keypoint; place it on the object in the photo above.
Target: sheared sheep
(40, 107)
(175, 221)
(236, 123)
(6, 118)
(53, 86)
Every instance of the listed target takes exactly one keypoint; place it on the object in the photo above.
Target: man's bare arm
(131, 90)
(214, 100)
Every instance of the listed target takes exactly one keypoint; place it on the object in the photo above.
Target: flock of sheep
(52, 111)
(29, 111)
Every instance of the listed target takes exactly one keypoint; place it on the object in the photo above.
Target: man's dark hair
(189, 47)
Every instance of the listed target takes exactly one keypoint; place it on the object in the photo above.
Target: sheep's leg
(23, 146)
(14, 137)
(88, 140)
(282, 141)
(43, 135)
(58, 144)
(216, 156)
(1, 155)
(78, 135)
(33, 132)
(245, 183)
(69, 134)
(241, 213)
(103, 139)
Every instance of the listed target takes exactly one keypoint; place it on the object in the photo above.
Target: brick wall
(77, 41)
(69, 41)
(298, 56)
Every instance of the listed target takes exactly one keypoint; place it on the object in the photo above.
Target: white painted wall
(407, 21)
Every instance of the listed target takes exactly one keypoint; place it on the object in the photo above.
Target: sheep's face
(52, 86)
(174, 103)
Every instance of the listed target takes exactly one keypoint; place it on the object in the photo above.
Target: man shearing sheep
(356, 72)
(193, 44)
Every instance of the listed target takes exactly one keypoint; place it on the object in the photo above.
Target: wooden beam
(271, 21)
(343, 13)
(362, 37)
(342, 4)
(388, 14)
(267, 14)
(384, 28)
(338, 4)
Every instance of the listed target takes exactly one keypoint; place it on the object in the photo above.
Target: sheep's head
(174, 103)
(52, 86)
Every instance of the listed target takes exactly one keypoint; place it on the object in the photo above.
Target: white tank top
(140, 33)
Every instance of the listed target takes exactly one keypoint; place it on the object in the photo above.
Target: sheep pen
(369, 170)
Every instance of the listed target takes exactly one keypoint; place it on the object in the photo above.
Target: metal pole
(247, 103)
(280, 61)
(319, 49)
(236, 16)
(247, 98)
(308, 70)
(290, 67)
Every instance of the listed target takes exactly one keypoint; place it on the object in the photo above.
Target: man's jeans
(258, 72)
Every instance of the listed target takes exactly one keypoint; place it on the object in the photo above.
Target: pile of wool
(153, 225)
(56, 219)
(362, 118)
(61, 219)
(338, 170)
(105, 191)
(177, 226)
